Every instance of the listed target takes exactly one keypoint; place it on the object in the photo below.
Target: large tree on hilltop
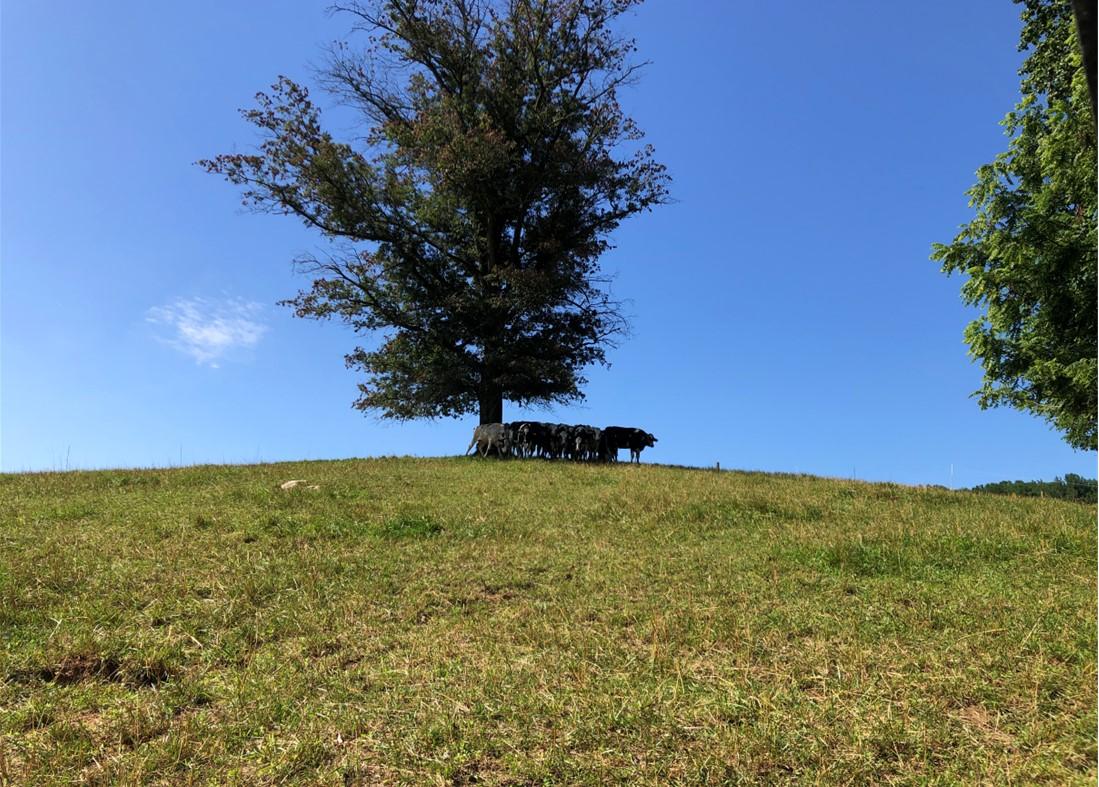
(469, 221)
(1030, 252)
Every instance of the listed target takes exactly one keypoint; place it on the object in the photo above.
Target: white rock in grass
(291, 484)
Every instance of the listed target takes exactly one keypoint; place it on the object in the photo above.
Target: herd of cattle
(559, 441)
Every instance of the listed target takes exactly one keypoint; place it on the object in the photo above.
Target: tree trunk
(1084, 10)
(492, 406)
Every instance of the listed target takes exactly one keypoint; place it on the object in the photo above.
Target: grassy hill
(463, 621)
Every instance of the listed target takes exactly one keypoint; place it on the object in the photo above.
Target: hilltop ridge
(519, 621)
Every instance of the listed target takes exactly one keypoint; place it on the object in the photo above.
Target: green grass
(459, 621)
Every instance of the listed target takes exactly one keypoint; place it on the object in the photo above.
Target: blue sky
(786, 316)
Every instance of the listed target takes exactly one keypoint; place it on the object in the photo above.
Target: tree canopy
(470, 218)
(1030, 252)
(1071, 487)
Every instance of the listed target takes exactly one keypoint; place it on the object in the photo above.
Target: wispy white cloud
(209, 330)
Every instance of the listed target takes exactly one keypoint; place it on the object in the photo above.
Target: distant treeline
(1071, 487)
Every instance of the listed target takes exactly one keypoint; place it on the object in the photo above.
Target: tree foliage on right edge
(1030, 252)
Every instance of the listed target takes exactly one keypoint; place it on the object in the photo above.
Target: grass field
(459, 621)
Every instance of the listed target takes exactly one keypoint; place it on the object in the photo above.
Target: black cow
(522, 437)
(532, 438)
(639, 441)
(558, 437)
(618, 437)
(587, 441)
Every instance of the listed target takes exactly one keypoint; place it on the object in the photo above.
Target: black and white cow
(582, 443)
(586, 441)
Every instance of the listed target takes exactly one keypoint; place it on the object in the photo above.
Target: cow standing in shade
(490, 437)
(583, 443)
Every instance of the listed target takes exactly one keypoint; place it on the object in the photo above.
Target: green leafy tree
(1071, 487)
(1030, 252)
(472, 215)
